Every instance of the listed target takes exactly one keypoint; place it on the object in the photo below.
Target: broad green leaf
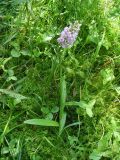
(107, 75)
(46, 38)
(55, 109)
(15, 53)
(82, 104)
(5, 150)
(42, 122)
(106, 43)
(45, 110)
(15, 45)
(25, 52)
(49, 116)
(12, 94)
(103, 144)
(89, 107)
(95, 155)
(89, 112)
(10, 72)
(11, 78)
(117, 90)
(37, 52)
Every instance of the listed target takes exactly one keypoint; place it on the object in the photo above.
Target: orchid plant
(66, 40)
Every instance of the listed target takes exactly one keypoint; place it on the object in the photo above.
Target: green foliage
(42, 122)
(12, 94)
(77, 89)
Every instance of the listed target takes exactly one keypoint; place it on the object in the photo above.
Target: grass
(79, 108)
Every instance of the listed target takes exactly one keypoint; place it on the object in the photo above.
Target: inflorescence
(69, 35)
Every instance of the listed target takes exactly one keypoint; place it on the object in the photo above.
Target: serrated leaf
(12, 94)
(42, 122)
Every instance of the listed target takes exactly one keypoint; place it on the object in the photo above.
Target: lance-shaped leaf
(42, 122)
(63, 94)
(12, 94)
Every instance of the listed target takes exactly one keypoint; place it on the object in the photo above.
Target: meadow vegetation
(59, 103)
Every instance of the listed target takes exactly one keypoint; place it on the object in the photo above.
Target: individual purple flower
(69, 35)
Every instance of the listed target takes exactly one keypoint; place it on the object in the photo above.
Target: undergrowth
(30, 85)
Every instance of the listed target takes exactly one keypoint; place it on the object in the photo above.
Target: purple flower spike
(69, 35)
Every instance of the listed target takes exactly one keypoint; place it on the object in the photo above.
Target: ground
(41, 80)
